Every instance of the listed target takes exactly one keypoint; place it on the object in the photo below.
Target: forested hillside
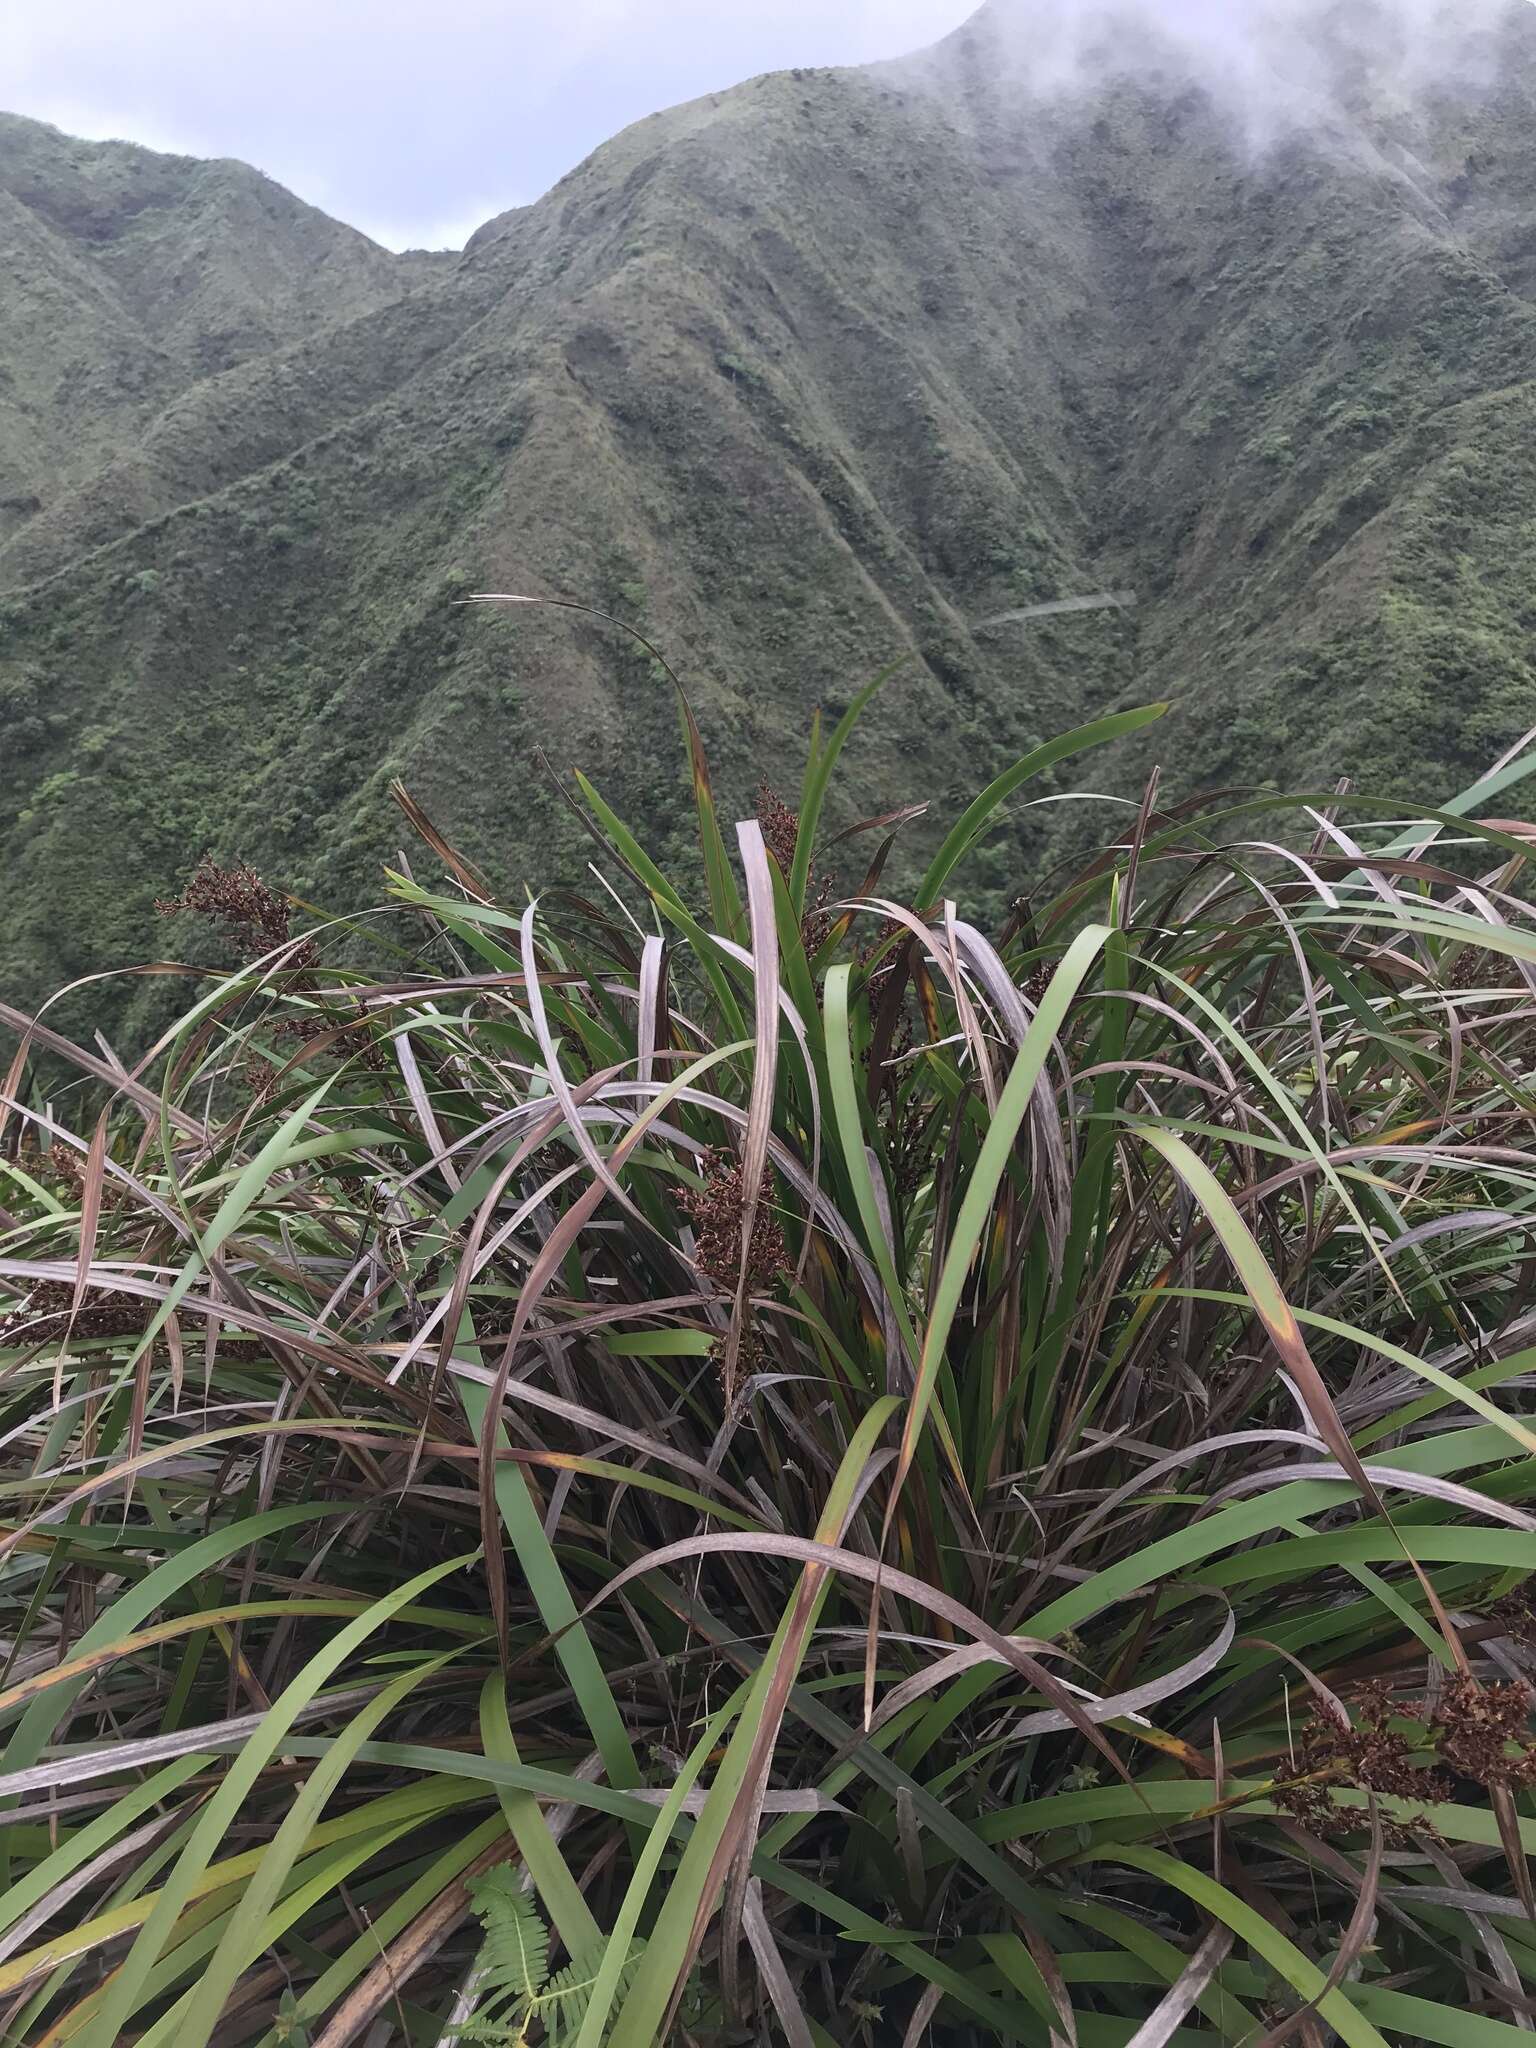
(824, 370)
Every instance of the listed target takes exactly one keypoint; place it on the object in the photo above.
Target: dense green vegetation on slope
(814, 373)
(838, 1480)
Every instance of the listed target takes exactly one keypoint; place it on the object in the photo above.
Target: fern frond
(514, 1958)
(562, 2005)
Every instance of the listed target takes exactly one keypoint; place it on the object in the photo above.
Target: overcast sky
(415, 119)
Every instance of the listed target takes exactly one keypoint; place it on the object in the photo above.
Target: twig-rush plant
(768, 1465)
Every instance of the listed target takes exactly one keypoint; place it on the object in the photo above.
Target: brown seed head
(717, 1210)
(45, 1314)
(781, 830)
(249, 913)
(1370, 1756)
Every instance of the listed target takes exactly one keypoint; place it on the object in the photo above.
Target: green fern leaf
(514, 1958)
(562, 2005)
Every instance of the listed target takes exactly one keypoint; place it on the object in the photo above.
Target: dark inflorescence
(718, 1211)
(1471, 1731)
(45, 1314)
(248, 911)
(781, 830)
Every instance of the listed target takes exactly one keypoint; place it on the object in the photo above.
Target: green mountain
(834, 367)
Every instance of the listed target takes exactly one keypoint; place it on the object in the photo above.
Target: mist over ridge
(1277, 66)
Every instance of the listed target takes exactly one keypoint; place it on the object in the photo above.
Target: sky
(415, 120)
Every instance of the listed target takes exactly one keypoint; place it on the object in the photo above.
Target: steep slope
(130, 277)
(833, 367)
(1326, 474)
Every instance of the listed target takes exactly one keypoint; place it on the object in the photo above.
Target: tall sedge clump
(719, 1460)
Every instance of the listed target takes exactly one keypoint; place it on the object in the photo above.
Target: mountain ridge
(822, 371)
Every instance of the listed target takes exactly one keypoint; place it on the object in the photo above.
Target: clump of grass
(893, 1484)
